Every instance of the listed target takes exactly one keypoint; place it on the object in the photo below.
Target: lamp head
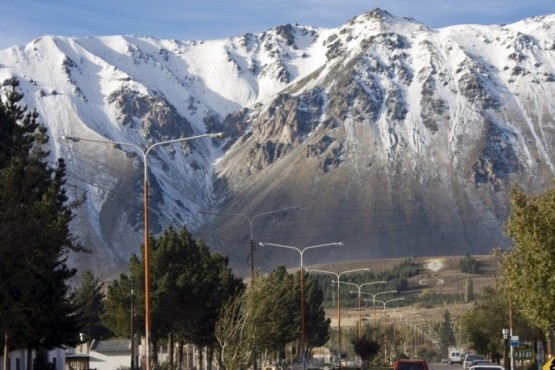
(219, 135)
(70, 138)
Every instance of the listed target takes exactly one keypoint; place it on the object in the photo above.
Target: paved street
(444, 366)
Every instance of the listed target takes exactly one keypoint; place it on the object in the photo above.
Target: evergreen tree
(117, 307)
(35, 305)
(317, 326)
(365, 348)
(446, 332)
(189, 287)
(89, 299)
(469, 264)
(468, 290)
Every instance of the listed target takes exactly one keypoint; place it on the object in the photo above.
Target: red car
(412, 364)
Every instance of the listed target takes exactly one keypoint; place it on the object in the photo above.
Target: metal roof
(118, 345)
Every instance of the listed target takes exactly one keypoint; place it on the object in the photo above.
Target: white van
(455, 356)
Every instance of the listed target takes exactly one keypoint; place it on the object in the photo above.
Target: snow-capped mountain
(399, 139)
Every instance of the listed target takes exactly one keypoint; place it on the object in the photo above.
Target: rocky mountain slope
(398, 139)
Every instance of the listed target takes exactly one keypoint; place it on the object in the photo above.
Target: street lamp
(373, 300)
(251, 221)
(374, 295)
(144, 153)
(338, 276)
(384, 303)
(301, 252)
(506, 361)
(359, 287)
(408, 330)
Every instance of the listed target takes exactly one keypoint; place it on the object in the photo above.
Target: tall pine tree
(89, 300)
(36, 310)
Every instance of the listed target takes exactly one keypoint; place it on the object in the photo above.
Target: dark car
(470, 358)
(412, 364)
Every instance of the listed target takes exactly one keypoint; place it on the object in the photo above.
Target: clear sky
(21, 21)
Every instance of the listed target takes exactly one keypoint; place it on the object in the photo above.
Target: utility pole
(133, 366)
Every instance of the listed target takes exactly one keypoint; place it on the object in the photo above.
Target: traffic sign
(514, 340)
(549, 364)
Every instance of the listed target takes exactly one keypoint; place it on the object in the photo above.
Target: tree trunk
(180, 359)
(200, 358)
(209, 357)
(29, 358)
(6, 351)
(170, 350)
(154, 359)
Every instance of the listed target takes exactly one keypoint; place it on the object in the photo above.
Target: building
(17, 359)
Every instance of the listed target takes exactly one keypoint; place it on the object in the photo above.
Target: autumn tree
(236, 340)
(267, 317)
(482, 324)
(528, 267)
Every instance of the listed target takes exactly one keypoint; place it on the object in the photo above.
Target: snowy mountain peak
(398, 138)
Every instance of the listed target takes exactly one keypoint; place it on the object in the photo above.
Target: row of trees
(197, 299)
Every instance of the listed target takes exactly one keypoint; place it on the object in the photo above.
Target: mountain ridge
(398, 139)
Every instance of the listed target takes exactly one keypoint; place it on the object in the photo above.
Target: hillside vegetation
(437, 277)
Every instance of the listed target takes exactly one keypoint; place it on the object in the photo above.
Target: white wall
(102, 362)
(18, 359)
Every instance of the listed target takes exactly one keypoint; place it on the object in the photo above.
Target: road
(444, 366)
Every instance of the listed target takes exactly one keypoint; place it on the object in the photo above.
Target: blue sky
(22, 21)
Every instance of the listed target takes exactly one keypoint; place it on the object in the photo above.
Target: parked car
(412, 364)
(469, 358)
(487, 367)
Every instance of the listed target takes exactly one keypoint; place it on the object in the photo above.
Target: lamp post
(506, 348)
(413, 329)
(338, 276)
(373, 300)
(407, 331)
(132, 323)
(359, 287)
(301, 252)
(144, 153)
(251, 219)
(384, 303)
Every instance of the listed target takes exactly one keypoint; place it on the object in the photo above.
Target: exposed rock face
(399, 139)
